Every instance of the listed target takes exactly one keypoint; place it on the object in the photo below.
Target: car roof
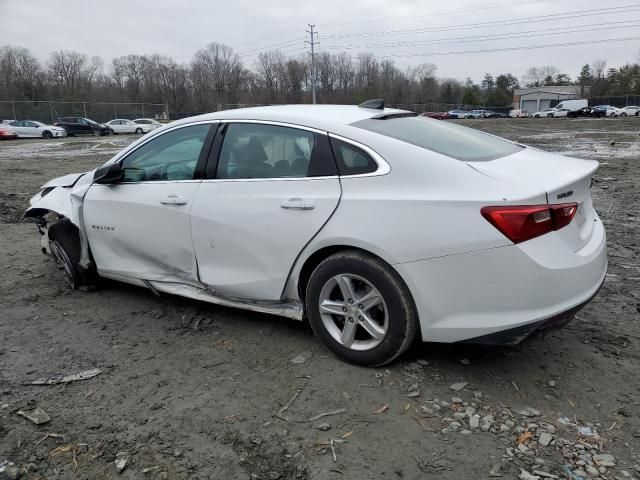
(319, 116)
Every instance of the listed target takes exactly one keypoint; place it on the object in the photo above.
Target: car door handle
(173, 200)
(297, 204)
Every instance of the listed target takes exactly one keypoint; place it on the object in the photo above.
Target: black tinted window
(351, 159)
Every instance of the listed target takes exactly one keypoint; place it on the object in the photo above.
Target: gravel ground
(191, 390)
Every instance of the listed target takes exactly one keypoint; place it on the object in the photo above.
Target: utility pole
(313, 35)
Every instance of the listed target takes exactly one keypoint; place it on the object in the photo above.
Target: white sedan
(630, 111)
(150, 122)
(552, 113)
(376, 224)
(121, 125)
(33, 129)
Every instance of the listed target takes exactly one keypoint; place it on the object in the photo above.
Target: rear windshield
(452, 140)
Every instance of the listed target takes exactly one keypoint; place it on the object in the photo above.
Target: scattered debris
(59, 378)
(327, 414)
(465, 361)
(528, 412)
(414, 394)
(496, 470)
(299, 360)
(121, 461)
(604, 460)
(545, 439)
(333, 450)
(456, 387)
(524, 475)
(552, 383)
(10, 471)
(382, 409)
(37, 416)
(324, 427)
(50, 435)
(286, 406)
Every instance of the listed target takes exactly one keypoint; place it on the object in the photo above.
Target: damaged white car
(378, 225)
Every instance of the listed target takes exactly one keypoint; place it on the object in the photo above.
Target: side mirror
(111, 173)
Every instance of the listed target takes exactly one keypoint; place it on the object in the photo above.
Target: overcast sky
(384, 27)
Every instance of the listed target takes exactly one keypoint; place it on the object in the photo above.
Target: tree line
(217, 76)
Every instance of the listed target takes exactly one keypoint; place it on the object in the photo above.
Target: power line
(275, 45)
(494, 23)
(508, 49)
(436, 13)
(493, 37)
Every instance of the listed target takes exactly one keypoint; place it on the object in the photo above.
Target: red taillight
(524, 222)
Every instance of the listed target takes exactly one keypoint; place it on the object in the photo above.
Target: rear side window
(352, 160)
(455, 141)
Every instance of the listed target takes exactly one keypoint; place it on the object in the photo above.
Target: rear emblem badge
(564, 194)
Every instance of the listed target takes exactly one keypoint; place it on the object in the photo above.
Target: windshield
(454, 141)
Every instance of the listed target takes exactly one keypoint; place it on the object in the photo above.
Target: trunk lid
(562, 179)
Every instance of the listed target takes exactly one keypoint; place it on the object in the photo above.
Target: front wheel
(96, 133)
(623, 114)
(64, 243)
(139, 131)
(47, 134)
(361, 309)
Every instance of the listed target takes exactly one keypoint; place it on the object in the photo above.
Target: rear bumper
(541, 328)
(508, 292)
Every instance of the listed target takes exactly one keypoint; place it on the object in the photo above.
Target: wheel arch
(309, 264)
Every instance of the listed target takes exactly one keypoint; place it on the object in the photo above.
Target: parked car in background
(492, 114)
(437, 115)
(604, 111)
(33, 129)
(458, 114)
(278, 218)
(82, 126)
(478, 114)
(121, 125)
(518, 114)
(153, 124)
(6, 133)
(630, 111)
(552, 113)
(4, 122)
(583, 112)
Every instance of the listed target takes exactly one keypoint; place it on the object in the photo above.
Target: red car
(437, 115)
(6, 134)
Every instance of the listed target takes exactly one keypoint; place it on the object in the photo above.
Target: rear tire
(623, 114)
(345, 325)
(64, 243)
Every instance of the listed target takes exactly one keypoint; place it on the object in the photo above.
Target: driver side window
(170, 157)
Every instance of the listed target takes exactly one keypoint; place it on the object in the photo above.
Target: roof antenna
(377, 104)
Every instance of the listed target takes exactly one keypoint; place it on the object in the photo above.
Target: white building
(539, 98)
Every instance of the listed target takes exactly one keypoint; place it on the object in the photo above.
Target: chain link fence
(49, 111)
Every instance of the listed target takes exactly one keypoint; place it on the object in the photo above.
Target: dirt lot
(190, 390)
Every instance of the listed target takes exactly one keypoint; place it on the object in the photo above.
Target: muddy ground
(191, 390)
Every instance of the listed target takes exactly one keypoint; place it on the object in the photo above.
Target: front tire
(361, 309)
(139, 131)
(47, 134)
(97, 133)
(64, 243)
(623, 114)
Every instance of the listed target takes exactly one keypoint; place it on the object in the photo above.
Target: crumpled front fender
(65, 196)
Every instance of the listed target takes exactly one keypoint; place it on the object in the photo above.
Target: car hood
(64, 181)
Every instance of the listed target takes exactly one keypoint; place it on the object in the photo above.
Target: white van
(572, 105)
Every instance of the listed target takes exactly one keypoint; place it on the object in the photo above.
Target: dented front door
(140, 227)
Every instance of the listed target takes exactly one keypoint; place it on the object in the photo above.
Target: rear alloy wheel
(139, 131)
(361, 309)
(549, 115)
(47, 134)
